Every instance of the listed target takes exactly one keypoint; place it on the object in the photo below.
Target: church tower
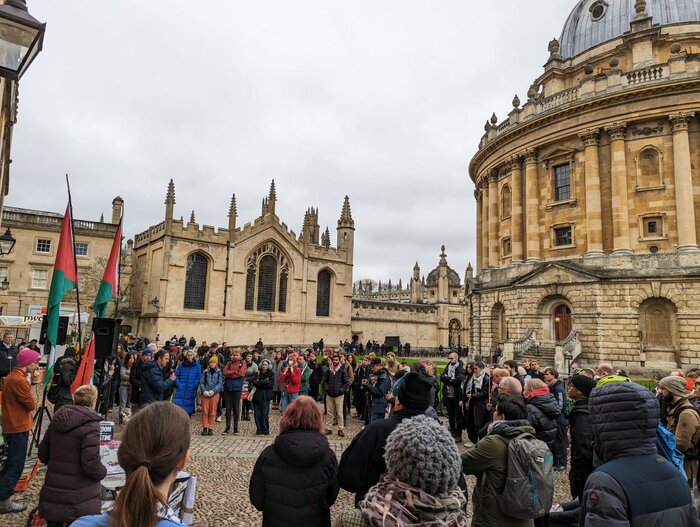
(346, 230)
(416, 286)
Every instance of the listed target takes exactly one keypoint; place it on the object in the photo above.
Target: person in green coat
(488, 461)
(305, 375)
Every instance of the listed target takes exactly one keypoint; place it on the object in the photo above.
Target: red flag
(86, 368)
(108, 287)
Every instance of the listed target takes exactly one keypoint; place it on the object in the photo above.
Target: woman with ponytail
(155, 447)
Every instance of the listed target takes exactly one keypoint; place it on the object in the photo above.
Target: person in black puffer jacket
(64, 374)
(542, 410)
(71, 450)
(294, 481)
(634, 486)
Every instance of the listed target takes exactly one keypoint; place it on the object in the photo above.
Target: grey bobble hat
(421, 453)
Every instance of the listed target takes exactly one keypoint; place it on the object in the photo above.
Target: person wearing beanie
(362, 463)
(18, 403)
(376, 388)
(683, 421)
(210, 386)
(153, 384)
(488, 461)
(420, 486)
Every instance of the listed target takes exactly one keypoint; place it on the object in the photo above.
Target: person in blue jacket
(153, 385)
(187, 377)
(154, 448)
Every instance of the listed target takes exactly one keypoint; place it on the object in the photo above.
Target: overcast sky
(383, 100)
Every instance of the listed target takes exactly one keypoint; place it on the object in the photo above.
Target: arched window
(267, 279)
(323, 294)
(505, 202)
(196, 281)
(267, 283)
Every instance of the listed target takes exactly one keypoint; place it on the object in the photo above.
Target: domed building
(588, 193)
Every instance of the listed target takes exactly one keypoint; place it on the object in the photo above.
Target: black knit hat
(414, 391)
(584, 384)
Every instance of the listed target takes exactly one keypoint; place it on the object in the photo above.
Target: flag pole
(75, 262)
(119, 262)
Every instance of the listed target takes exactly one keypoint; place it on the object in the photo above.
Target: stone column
(594, 216)
(683, 182)
(516, 211)
(532, 206)
(479, 230)
(618, 172)
(494, 220)
(484, 222)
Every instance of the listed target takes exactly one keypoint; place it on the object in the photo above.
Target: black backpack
(56, 383)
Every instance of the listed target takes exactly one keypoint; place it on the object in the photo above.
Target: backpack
(666, 447)
(693, 453)
(529, 490)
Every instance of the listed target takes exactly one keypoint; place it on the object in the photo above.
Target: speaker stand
(38, 421)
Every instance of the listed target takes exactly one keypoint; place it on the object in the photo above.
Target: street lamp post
(21, 40)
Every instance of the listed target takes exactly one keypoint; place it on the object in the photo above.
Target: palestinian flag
(86, 368)
(64, 279)
(108, 286)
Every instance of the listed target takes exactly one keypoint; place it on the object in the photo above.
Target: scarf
(538, 392)
(552, 382)
(393, 503)
(500, 426)
(451, 369)
(335, 370)
(479, 380)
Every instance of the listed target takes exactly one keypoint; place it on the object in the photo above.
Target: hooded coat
(624, 418)
(581, 446)
(187, 377)
(66, 369)
(488, 460)
(543, 412)
(71, 450)
(294, 480)
(153, 385)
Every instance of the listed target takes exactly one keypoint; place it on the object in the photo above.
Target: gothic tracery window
(267, 279)
(196, 281)
(323, 294)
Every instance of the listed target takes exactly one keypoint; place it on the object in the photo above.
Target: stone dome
(452, 278)
(593, 22)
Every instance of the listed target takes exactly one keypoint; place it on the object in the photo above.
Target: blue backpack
(666, 447)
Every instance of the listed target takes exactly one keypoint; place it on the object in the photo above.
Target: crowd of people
(517, 424)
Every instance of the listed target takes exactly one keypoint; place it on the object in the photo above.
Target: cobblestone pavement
(223, 465)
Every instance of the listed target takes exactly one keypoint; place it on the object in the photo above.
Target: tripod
(38, 421)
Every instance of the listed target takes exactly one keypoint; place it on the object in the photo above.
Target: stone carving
(646, 131)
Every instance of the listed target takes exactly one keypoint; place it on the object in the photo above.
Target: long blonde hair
(155, 441)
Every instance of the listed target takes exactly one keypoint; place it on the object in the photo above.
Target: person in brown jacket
(71, 451)
(17, 406)
(682, 421)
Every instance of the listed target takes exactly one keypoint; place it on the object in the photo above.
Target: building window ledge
(653, 239)
(560, 247)
(644, 189)
(504, 218)
(571, 202)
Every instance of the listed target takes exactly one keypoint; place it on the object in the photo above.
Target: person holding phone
(290, 381)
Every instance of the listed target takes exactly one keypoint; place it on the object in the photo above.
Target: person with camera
(377, 386)
(290, 380)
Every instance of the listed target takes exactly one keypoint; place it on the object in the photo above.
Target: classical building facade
(428, 313)
(238, 284)
(25, 274)
(588, 193)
